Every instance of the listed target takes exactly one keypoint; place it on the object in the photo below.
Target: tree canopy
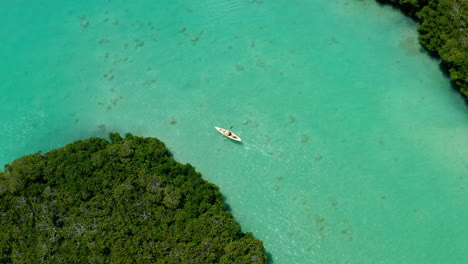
(123, 201)
(442, 31)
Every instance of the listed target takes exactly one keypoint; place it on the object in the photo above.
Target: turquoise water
(355, 147)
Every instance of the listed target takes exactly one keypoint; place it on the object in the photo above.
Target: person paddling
(228, 132)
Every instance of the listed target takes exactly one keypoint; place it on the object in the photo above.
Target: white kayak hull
(225, 133)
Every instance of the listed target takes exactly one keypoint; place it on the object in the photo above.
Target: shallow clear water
(355, 147)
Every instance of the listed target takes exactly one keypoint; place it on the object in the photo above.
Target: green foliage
(410, 7)
(442, 30)
(123, 201)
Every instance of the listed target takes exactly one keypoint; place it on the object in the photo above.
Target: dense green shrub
(123, 201)
(442, 30)
(410, 7)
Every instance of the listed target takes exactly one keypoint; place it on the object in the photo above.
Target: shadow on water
(446, 70)
(444, 67)
(270, 258)
(228, 208)
(234, 141)
(238, 142)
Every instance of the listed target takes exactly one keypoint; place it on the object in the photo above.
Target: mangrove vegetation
(442, 31)
(120, 201)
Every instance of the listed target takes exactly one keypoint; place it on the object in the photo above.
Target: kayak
(228, 134)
